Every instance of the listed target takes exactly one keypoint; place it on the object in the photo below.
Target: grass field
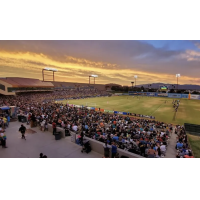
(195, 144)
(188, 110)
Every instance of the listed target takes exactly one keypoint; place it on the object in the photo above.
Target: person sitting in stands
(151, 152)
(116, 138)
(179, 145)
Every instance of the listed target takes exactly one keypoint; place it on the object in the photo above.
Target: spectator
(54, 127)
(3, 140)
(106, 150)
(114, 150)
(22, 129)
(151, 152)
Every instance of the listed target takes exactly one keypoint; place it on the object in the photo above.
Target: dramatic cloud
(113, 61)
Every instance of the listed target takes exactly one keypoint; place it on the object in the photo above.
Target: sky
(114, 61)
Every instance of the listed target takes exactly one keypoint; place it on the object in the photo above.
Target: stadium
(94, 117)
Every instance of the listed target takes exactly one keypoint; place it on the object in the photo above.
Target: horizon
(117, 62)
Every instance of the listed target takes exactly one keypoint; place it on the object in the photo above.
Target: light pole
(135, 79)
(48, 69)
(177, 76)
(94, 76)
(89, 80)
(132, 85)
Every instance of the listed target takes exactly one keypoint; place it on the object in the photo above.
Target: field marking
(156, 109)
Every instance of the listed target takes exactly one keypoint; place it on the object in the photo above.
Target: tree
(115, 88)
(195, 92)
(171, 91)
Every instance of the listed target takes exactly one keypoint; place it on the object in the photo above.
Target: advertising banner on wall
(151, 94)
(125, 94)
(135, 93)
(162, 94)
(184, 96)
(77, 106)
(174, 95)
(192, 96)
(109, 111)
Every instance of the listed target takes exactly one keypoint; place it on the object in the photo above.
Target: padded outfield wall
(170, 95)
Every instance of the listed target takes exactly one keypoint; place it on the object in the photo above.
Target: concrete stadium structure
(13, 85)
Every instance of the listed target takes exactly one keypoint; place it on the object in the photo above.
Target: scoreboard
(163, 88)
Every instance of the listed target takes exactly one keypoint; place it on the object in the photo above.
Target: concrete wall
(58, 129)
(6, 88)
(96, 145)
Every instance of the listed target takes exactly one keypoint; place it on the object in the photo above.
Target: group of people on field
(176, 104)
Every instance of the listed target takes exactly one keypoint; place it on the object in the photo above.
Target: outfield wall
(170, 95)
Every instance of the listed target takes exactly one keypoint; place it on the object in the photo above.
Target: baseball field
(159, 107)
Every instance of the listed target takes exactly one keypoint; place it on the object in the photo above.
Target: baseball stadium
(90, 116)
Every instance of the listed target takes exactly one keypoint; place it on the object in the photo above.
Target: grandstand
(13, 85)
(71, 85)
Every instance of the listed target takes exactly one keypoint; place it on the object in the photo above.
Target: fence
(170, 95)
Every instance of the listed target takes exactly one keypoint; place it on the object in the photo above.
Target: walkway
(40, 142)
(171, 151)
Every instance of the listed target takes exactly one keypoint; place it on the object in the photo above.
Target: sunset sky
(112, 61)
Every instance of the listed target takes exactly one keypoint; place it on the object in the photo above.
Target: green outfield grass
(195, 145)
(188, 110)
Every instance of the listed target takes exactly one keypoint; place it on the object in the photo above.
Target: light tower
(50, 70)
(135, 79)
(94, 76)
(132, 85)
(177, 76)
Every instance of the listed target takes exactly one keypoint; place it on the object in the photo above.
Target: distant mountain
(184, 87)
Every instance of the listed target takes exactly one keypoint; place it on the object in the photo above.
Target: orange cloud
(78, 69)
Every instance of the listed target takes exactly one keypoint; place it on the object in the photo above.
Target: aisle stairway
(171, 151)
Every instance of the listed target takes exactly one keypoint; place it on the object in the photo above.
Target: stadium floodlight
(50, 69)
(132, 84)
(135, 79)
(94, 76)
(177, 76)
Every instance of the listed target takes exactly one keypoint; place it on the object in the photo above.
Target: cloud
(197, 44)
(191, 55)
(116, 61)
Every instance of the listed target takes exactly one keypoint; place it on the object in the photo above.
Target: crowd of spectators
(182, 146)
(4, 123)
(148, 138)
(37, 97)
